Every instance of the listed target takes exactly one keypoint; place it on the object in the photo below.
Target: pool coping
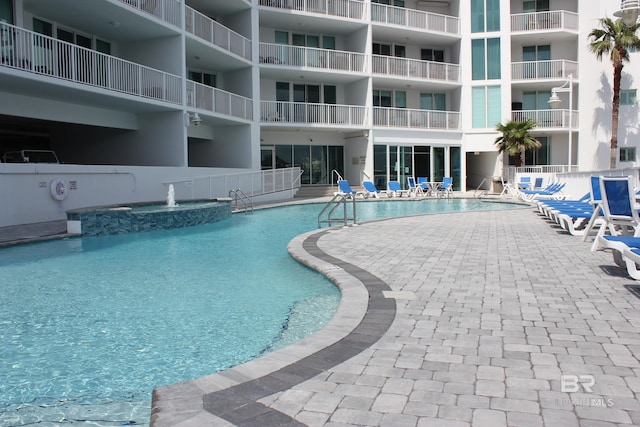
(231, 397)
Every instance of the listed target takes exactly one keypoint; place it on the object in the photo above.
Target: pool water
(89, 326)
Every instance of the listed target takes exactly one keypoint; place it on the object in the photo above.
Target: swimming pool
(90, 325)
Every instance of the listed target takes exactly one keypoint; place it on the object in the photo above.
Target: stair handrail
(238, 195)
(337, 174)
(337, 200)
(478, 188)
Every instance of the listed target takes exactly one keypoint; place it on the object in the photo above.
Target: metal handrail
(337, 200)
(238, 195)
(478, 188)
(337, 174)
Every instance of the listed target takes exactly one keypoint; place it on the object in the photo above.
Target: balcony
(558, 20)
(169, 11)
(217, 34)
(354, 9)
(305, 113)
(32, 52)
(415, 119)
(218, 101)
(417, 19)
(298, 56)
(534, 70)
(548, 119)
(413, 68)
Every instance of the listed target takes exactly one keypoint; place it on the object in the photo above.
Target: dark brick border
(238, 404)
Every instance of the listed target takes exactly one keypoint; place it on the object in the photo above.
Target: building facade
(132, 94)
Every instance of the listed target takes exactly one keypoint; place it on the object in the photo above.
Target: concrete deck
(472, 319)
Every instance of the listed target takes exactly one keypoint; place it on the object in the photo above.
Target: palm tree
(614, 39)
(516, 139)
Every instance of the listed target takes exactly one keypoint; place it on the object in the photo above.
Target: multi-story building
(133, 94)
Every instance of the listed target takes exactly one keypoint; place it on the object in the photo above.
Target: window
(432, 55)
(204, 78)
(70, 36)
(382, 49)
(382, 98)
(6, 11)
(486, 111)
(536, 100)
(485, 59)
(627, 154)
(539, 56)
(485, 15)
(540, 156)
(628, 97)
(535, 6)
(432, 101)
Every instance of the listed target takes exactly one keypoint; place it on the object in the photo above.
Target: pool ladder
(237, 196)
(329, 209)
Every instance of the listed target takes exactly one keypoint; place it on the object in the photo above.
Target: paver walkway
(501, 319)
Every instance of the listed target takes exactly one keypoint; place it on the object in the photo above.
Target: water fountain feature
(136, 217)
(171, 197)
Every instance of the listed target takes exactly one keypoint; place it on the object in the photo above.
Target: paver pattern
(502, 320)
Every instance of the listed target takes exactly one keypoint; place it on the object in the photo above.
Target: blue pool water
(89, 326)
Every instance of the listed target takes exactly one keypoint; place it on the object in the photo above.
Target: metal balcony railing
(538, 21)
(215, 33)
(354, 9)
(218, 101)
(302, 112)
(298, 56)
(533, 70)
(430, 70)
(415, 19)
(35, 53)
(411, 118)
(548, 118)
(169, 11)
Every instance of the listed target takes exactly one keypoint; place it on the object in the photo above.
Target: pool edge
(232, 395)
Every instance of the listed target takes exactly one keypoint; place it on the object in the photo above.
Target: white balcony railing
(35, 53)
(169, 11)
(302, 112)
(533, 70)
(353, 9)
(548, 118)
(537, 21)
(420, 119)
(430, 70)
(218, 101)
(415, 19)
(215, 33)
(299, 56)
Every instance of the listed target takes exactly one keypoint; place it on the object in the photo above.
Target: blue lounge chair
(346, 191)
(426, 186)
(396, 189)
(370, 190)
(446, 187)
(524, 183)
(620, 214)
(414, 188)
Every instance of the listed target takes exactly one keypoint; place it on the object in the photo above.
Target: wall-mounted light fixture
(192, 119)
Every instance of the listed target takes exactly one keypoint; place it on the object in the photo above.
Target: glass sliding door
(319, 163)
(455, 165)
(302, 159)
(438, 163)
(267, 158)
(380, 167)
(422, 161)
